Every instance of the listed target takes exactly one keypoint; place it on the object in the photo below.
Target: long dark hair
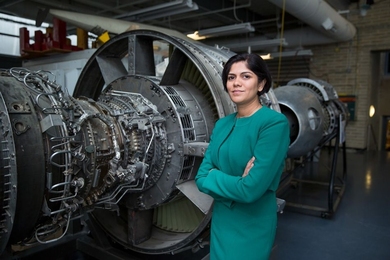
(255, 63)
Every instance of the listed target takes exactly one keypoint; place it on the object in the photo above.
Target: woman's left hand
(249, 166)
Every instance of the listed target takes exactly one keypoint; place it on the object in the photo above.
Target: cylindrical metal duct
(321, 16)
(99, 24)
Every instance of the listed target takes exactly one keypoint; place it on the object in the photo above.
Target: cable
(235, 7)
(281, 37)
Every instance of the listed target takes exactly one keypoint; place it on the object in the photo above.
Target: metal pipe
(213, 11)
(107, 8)
(159, 8)
(63, 6)
(321, 16)
(115, 26)
(121, 6)
(10, 3)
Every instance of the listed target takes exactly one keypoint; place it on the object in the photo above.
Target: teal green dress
(244, 214)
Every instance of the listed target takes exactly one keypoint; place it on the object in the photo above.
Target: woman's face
(242, 84)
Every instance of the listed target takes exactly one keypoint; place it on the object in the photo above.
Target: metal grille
(4, 180)
(188, 128)
(180, 215)
(186, 120)
(175, 97)
(187, 168)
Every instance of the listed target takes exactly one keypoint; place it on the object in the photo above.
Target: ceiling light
(195, 36)
(158, 11)
(266, 56)
(372, 111)
(224, 30)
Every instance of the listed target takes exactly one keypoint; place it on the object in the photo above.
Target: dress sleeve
(270, 152)
(204, 170)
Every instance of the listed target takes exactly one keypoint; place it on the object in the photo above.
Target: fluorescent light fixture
(292, 53)
(270, 56)
(256, 45)
(162, 10)
(223, 30)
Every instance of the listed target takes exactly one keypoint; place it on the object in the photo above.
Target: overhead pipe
(293, 39)
(62, 5)
(118, 8)
(316, 13)
(307, 36)
(94, 23)
(321, 16)
(210, 12)
(168, 7)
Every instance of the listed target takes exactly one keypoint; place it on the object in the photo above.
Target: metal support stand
(335, 184)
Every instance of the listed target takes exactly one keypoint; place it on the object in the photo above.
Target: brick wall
(348, 66)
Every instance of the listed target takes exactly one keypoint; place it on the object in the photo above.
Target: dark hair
(255, 63)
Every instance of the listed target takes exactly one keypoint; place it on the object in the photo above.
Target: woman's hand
(249, 166)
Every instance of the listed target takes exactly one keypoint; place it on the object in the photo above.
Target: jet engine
(314, 111)
(125, 147)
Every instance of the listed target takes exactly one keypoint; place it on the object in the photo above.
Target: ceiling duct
(326, 27)
(321, 16)
(94, 23)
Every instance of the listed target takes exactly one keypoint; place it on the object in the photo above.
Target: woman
(242, 166)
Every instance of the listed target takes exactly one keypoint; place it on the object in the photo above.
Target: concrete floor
(359, 228)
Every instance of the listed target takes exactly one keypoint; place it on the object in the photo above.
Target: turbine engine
(314, 112)
(118, 153)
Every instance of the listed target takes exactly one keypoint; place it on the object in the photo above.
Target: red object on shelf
(59, 33)
(24, 40)
(53, 41)
(38, 36)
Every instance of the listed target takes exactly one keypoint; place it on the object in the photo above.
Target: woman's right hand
(249, 166)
